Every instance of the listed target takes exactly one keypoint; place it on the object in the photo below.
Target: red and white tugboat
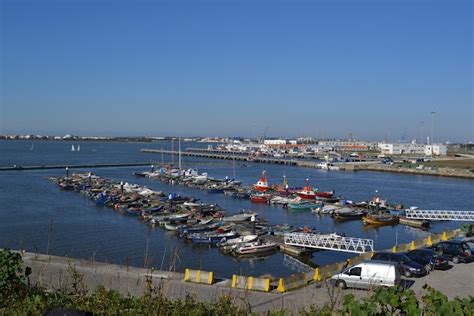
(262, 184)
(307, 193)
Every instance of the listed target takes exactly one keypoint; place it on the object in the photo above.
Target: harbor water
(35, 215)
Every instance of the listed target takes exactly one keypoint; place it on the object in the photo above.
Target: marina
(127, 240)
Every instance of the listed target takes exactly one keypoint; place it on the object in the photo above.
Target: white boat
(171, 227)
(175, 217)
(238, 217)
(78, 147)
(72, 148)
(191, 204)
(326, 209)
(327, 166)
(256, 247)
(234, 242)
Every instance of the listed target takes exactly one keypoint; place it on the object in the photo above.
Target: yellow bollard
(186, 275)
(412, 245)
(250, 283)
(394, 249)
(444, 237)
(429, 241)
(317, 274)
(234, 280)
(281, 285)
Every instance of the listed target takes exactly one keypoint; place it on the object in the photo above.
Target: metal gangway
(330, 242)
(440, 215)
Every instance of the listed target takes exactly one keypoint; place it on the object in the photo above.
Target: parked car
(406, 266)
(368, 274)
(429, 258)
(455, 250)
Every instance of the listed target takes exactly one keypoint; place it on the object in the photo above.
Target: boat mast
(179, 153)
(172, 151)
(233, 163)
(162, 158)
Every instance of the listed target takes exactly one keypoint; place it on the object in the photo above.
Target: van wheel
(456, 260)
(341, 284)
(428, 267)
(407, 274)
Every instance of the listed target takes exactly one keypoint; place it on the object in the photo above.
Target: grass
(453, 163)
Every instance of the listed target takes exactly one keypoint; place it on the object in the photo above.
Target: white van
(368, 274)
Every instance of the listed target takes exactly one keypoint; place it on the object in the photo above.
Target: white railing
(330, 242)
(440, 215)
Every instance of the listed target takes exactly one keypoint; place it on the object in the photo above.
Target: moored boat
(260, 198)
(254, 248)
(234, 242)
(350, 215)
(380, 219)
(303, 206)
(262, 184)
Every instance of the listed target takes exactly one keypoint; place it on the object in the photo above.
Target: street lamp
(432, 124)
(67, 172)
(121, 187)
(421, 132)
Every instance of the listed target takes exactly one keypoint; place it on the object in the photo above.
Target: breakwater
(371, 165)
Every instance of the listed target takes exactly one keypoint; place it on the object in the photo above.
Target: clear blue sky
(315, 68)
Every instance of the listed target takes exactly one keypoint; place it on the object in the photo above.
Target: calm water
(37, 216)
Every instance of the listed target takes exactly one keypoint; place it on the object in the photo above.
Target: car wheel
(428, 267)
(456, 260)
(341, 284)
(407, 274)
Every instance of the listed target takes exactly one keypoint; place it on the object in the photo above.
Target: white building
(274, 142)
(436, 150)
(412, 148)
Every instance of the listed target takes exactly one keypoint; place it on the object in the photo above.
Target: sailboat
(32, 146)
(72, 148)
(78, 147)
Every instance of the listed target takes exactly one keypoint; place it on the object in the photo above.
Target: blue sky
(292, 68)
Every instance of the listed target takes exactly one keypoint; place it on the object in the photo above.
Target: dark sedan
(428, 258)
(406, 266)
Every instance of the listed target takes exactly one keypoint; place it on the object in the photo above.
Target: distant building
(412, 148)
(274, 142)
(343, 145)
(436, 150)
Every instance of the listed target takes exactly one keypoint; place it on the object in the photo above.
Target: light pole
(432, 124)
(421, 132)
(67, 172)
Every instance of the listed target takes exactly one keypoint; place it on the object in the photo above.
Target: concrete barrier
(250, 283)
(198, 276)
(292, 282)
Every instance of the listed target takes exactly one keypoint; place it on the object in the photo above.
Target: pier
(64, 166)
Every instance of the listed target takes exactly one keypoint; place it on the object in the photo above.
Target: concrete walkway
(57, 272)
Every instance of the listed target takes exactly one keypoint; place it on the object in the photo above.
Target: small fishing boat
(178, 217)
(192, 204)
(303, 206)
(214, 190)
(262, 184)
(242, 217)
(234, 242)
(254, 248)
(134, 211)
(260, 198)
(214, 238)
(380, 219)
(351, 215)
(326, 209)
(171, 227)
